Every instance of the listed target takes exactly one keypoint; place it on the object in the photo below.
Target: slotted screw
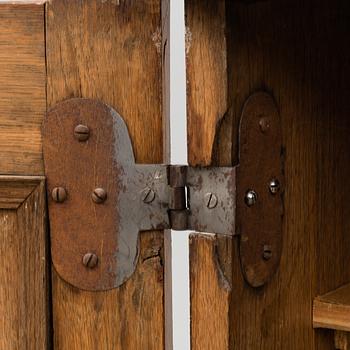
(81, 132)
(59, 194)
(211, 200)
(267, 254)
(250, 198)
(90, 260)
(99, 195)
(148, 195)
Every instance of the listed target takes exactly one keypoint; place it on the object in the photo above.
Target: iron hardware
(88, 154)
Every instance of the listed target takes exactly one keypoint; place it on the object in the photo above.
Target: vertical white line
(178, 155)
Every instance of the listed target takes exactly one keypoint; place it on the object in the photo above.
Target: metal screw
(274, 186)
(250, 198)
(211, 200)
(81, 132)
(99, 195)
(148, 195)
(264, 124)
(90, 260)
(267, 255)
(59, 194)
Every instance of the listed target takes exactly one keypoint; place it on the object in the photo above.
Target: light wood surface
(24, 302)
(112, 51)
(297, 51)
(332, 310)
(24, 277)
(22, 88)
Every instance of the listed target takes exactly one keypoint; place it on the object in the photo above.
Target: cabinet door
(107, 50)
(298, 51)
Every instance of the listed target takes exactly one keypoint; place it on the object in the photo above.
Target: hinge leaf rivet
(267, 255)
(274, 186)
(250, 198)
(90, 260)
(81, 132)
(99, 195)
(211, 200)
(264, 124)
(59, 194)
(148, 195)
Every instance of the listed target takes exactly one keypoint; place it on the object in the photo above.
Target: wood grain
(298, 52)
(111, 51)
(332, 310)
(22, 88)
(24, 305)
(342, 340)
(207, 109)
(209, 314)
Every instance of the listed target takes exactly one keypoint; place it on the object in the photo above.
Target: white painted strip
(178, 155)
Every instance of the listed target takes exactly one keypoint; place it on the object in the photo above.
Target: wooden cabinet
(116, 51)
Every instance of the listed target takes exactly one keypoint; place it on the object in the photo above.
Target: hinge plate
(99, 198)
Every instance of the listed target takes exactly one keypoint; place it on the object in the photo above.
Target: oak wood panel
(297, 51)
(24, 323)
(332, 310)
(209, 313)
(111, 50)
(22, 88)
(209, 121)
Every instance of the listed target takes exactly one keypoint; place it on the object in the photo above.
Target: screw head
(59, 194)
(264, 124)
(211, 200)
(99, 195)
(90, 260)
(148, 195)
(274, 186)
(250, 198)
(267, 254)
(81, 132)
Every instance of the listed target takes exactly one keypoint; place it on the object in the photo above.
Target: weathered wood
(207, 109)
(22, 88)
(24, 286)
(209, 314)
(111, 50)
(299, 52)
(332, 310)
(24, 276)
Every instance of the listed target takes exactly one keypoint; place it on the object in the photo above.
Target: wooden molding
(14, 190)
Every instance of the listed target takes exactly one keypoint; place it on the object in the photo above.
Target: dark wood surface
(299, 52)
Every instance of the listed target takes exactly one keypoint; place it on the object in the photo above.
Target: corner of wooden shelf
(332, 310)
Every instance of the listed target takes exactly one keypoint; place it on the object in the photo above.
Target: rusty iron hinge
(100, 199)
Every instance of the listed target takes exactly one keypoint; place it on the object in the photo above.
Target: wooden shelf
(332, 310)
